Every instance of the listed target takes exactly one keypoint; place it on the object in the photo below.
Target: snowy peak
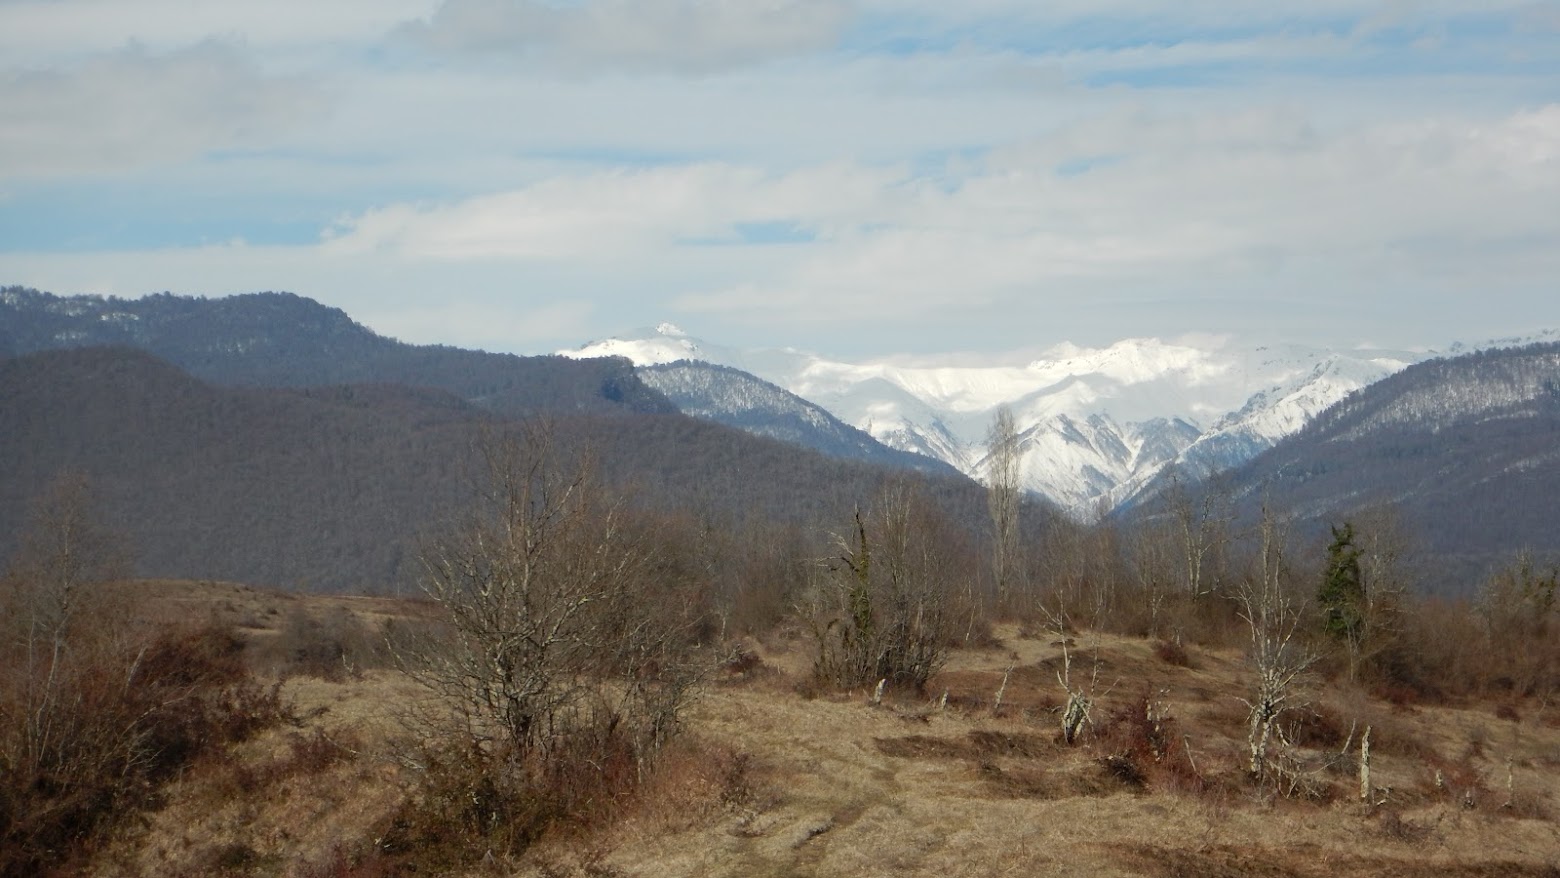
(1097, 424)
(666, 343)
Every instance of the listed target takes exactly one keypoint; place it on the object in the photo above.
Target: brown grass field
(774, 777)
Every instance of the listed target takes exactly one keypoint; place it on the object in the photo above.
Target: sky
(853, 177)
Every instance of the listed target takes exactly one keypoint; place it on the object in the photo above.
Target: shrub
(86, 737)
(883, 609)
(1145, 747)
(1172, 653)
(567, 657)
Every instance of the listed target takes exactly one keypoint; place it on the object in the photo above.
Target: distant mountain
(330, 487)
(1466, 449)
(735, 398)
(283, 340)
(1096, 425)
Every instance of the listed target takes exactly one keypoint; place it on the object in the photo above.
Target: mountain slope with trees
(329, 487)
(1466, 450)
(284, 340)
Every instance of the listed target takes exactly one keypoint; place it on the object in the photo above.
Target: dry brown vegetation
(771, 782)
(591, 688)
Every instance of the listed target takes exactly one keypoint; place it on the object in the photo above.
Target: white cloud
(44, 32)
(131, 108)
(621, 213)
(536, 167)
(1260, 205)
(695, 36)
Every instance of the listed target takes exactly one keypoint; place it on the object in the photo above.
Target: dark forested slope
(328, 488)
(283, 340)
(287, 487)
(1466, 449)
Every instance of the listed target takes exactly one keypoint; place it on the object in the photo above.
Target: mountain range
(1099, 427)
(284, 340)
(270, 438)
(1096, 425)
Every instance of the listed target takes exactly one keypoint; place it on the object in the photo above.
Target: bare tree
(65, 552)
(1273, 620)
(1150, 553)
(53, 586)
(558, 624)
(1386, 553)
(1004, 456)
(1202, 520)
(883, 608)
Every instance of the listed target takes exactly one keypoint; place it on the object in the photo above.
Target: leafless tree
(1004, 457)
(66, 551)
(559, 623)
(1385, 557)
(1151, 558)
(1273, 620)
(1202, 518)
(883, 608)
(53, 587)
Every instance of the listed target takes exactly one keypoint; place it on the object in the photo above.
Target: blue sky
(857, 177)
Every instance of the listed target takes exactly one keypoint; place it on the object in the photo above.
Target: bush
(1172, 653)
(564, 655)
(1145, 747)
(87, 737)
(884, 609)
(334, 646)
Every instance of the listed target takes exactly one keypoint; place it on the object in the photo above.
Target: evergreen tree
(1342, 594)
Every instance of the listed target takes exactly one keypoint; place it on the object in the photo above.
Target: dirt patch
(978, 744)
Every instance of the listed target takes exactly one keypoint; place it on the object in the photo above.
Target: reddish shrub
(1172, 653)
(89, 734)
(1143, 736)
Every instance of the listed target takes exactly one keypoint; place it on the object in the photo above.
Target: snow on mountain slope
(1096, 424)
(1268, 415)
(739, 399)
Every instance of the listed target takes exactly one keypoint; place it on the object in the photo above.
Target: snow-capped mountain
(738, 399)
(1096, 424)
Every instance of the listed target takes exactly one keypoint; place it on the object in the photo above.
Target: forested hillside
(329, 487)
(1465, 452)
(283, 340)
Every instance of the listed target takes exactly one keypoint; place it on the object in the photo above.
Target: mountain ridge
(1097, 425)
(1466, 448)
(286, 340)
(331, 487)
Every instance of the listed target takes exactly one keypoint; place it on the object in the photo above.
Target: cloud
(1272, 207)
(131, 109)
(683, 36)
(790, 170)
(622, 213)
(46, 32)
(1259, 206)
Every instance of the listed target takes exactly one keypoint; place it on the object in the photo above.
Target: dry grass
(772, 783)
